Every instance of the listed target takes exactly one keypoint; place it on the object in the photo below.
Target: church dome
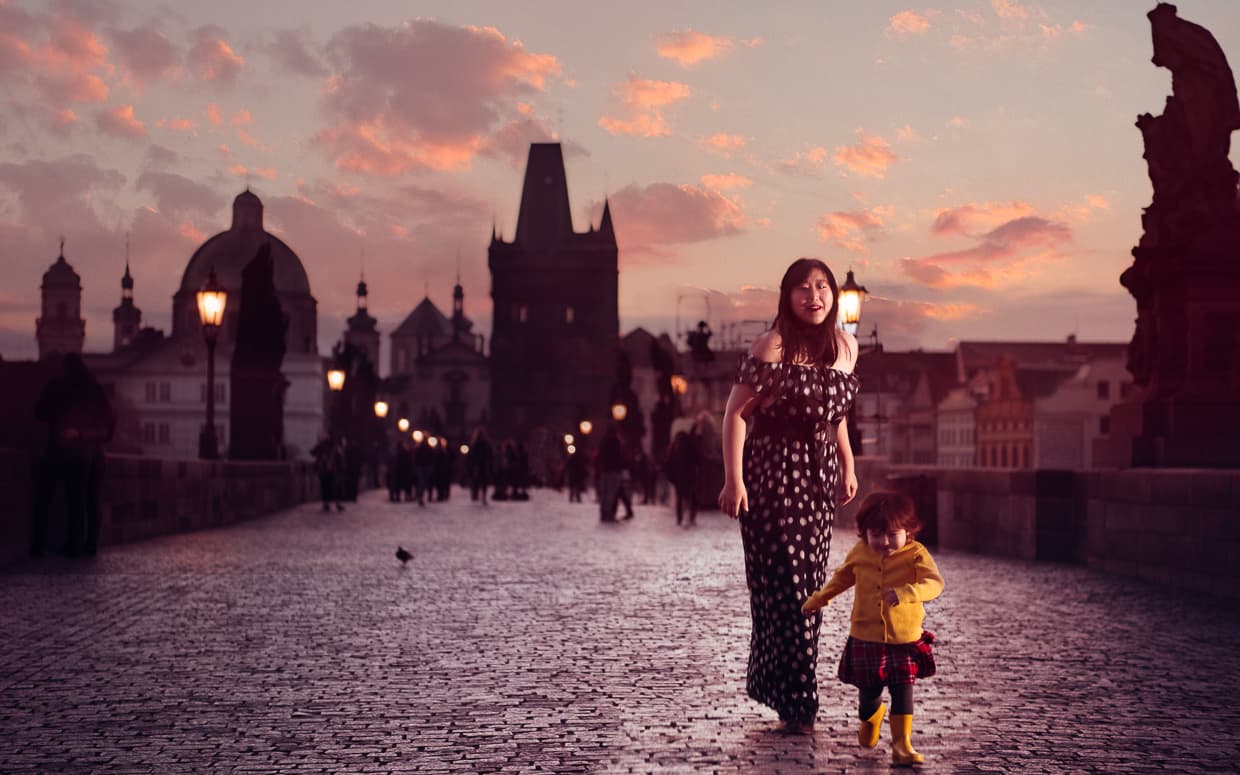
(61, 275)
(229, 251)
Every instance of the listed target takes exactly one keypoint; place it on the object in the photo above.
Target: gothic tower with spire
(126, 319)
(60, 328)
(555, 325)
(362, 333)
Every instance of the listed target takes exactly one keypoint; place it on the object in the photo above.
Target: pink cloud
(689, 47)
(291, 50)
(1010, 9)
(870, 158)
(1004, 255)
(852, 231)
(395, 107)
(177, 195)
(242, 171)
(145, 54)
(186, 125)
(211, 58)
(809, 162)
(644, 101)
(976, 217)
(728, 181)
(120, 122)
(214, 117)
(661, 214)
(511, 141)
(906, 23)
(723, 144)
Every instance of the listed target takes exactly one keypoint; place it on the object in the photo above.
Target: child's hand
(816, 601)
(890, 597)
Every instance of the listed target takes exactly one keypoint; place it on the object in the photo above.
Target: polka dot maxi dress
(792, 475)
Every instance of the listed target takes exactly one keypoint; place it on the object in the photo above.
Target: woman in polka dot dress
(796, 386)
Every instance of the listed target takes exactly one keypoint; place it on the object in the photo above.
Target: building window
(1124, 389)
(568, 314)
(1104, 424)
(219, 392)
(150, 392)
(523, 313)
(165, 392)
(1104, 390)
(148, 433)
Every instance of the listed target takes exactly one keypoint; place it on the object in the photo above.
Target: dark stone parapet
(144, 497)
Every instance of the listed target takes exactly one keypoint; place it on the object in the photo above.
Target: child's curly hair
(886, 510)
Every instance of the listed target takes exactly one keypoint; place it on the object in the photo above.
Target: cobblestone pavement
(530, 637)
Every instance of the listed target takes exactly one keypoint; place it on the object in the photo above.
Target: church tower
(362, 332)
(126, 319)
(61, 329)
(556, 324)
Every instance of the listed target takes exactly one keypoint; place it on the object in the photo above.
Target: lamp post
(211, 301)
(851, 296)
(850, 299)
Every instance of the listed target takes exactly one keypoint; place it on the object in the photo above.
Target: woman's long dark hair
(804, 343)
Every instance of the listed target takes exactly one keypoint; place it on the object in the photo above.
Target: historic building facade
(555, 325)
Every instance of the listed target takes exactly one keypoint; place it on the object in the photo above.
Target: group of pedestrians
(419, 472)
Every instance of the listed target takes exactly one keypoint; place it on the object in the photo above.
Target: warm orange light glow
(335, 379)
(211, 301)
(680, 385)
(568, 438)
(572, 450)
(464, 449)
(850, 298)
(619, 412)
(585, 426)
(433, 441)
(418, 435)
(402, 424)
(381, 409)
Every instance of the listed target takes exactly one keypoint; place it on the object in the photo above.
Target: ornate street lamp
(381, 409)
(211, 301)
(335, 379)
(851, 296)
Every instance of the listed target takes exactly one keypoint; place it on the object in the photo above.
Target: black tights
(869, 697)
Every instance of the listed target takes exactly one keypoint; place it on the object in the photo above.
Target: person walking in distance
(480, 461)
(785, 479)
(893, 575)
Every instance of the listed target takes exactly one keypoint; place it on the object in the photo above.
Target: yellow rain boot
(901, 741)
(870, 729)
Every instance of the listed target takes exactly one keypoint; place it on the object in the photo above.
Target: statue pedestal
(1172, 433)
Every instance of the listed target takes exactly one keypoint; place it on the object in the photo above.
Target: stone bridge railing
(143, 497)
(1174, 527)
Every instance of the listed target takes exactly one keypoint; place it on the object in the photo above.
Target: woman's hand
(733, 499)
(850, 485)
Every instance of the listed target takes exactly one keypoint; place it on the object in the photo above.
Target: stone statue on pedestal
(256, 403)
(1185, 352)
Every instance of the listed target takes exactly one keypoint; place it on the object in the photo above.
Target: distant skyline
(976, 164)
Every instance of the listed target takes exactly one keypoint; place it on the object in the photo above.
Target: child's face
(887, 542)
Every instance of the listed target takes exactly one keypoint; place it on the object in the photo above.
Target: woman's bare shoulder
(768, 347)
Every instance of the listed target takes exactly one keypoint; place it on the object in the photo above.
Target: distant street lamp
(381, 409)
(335, 379)
(619, 412)
(568, 438)
(572, 450)
(211, 301)
(680, 385)
(418, 436)
(433, 441)
(585, 426)
(402, 424)
(464, 449)
(851, 296)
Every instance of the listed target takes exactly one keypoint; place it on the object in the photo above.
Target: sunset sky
(975, 163)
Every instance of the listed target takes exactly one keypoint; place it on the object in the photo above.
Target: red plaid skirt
(865, 663)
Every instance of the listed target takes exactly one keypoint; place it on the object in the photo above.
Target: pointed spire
(62, 246)
(545, 218)
(127, 279)
(604, 227)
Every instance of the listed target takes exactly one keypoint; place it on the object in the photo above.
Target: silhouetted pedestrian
(578, 473)
(684, 462)
(329, 465)
(79, 421)
(609, 463)
(479, 461)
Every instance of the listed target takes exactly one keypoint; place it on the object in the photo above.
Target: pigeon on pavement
(403, 555)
